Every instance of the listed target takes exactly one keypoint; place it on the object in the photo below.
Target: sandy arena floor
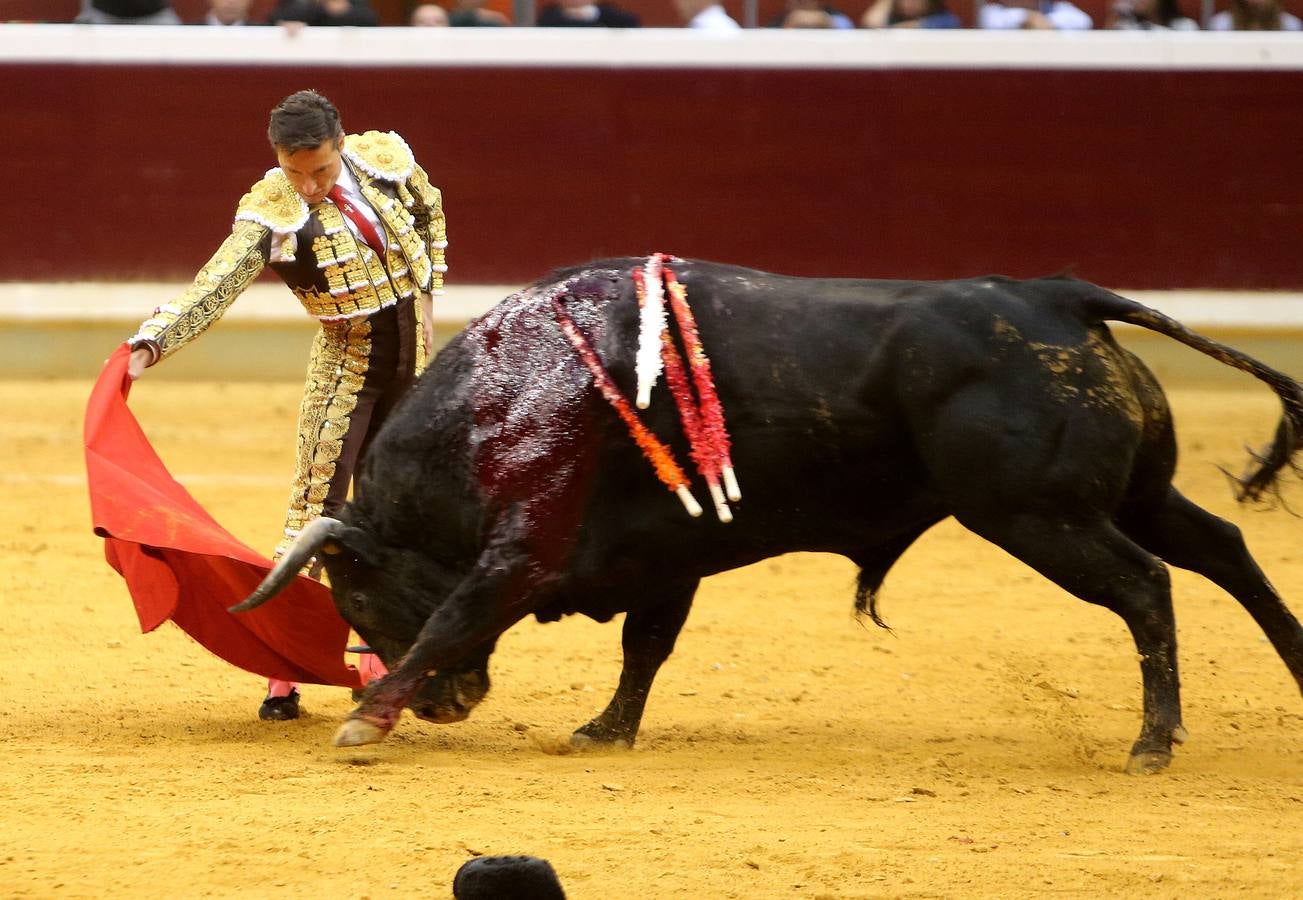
(787, 751)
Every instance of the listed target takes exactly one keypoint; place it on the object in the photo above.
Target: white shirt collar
(347, 181)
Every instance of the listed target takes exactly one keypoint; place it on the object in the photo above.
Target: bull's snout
(450, 696)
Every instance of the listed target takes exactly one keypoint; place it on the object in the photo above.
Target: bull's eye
(359, 611)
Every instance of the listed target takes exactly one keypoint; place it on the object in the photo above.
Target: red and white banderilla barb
(659, 455)
(705, 451)
(711, 412)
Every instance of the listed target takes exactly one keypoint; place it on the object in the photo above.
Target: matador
(354, 228)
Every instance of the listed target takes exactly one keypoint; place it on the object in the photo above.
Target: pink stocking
(370, 667)
(279, 688)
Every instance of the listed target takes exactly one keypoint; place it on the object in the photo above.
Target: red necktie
(364, 226)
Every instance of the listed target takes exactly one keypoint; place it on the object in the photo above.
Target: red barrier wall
(1143, 179)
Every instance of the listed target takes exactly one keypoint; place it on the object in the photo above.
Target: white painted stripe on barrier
(759, 48)
(130, 303)
(1235, 309)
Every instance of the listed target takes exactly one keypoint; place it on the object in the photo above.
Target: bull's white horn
(305, 547)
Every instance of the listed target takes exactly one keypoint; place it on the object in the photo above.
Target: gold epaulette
(273, 203)
(381, 154)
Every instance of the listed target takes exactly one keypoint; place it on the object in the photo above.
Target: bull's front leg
(492, 598)
(648, 639)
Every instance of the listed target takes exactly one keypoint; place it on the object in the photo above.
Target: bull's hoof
(582, 740)
(1148, 762)
(358, 733)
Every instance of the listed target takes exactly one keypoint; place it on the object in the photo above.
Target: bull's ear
(357, 541)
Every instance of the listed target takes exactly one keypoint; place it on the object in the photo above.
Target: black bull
(861, 413)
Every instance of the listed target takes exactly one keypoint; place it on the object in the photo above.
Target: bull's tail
(1264, 471)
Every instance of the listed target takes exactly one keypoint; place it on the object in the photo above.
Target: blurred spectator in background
(324, 12)
(909, 14)
(810, 14)
(127, 12)
(1149, 15)
(227, 12)
(585, 14)
(1042, 15)
(807, 18)
(705, 15)
(1254, 15)
(429, 15)
(467, 13)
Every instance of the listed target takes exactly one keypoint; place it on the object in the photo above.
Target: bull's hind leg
(1190, 537)
(648, 639)
(1093, 560)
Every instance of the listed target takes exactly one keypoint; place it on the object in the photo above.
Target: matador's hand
(141, 357)
(427, 321)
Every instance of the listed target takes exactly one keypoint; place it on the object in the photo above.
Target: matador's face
(313, 171)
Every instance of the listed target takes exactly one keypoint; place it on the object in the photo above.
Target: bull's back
(861, 408)
(818, 440)
(832, 391)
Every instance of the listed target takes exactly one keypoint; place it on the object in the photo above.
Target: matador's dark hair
(303, 121)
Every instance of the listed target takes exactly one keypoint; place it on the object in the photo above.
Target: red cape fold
(179, 564)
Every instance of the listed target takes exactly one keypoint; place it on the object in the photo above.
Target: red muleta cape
(179, 564)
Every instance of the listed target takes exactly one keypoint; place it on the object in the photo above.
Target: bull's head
(386, 594)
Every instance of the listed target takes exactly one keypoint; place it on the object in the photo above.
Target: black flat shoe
(280, 709)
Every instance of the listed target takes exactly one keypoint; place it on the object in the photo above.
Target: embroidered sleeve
(427, 209)
(233, 267)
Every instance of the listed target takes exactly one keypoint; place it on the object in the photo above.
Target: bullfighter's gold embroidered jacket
(334, 274)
